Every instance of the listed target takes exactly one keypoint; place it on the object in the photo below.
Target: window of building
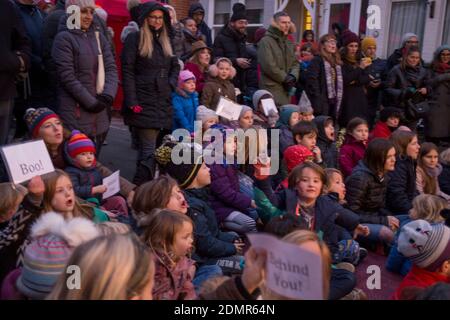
(406, 16)
(446, 34)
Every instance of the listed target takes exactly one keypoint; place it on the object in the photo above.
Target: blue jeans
(204, 273)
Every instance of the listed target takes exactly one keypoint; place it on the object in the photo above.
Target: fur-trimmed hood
(74, 231)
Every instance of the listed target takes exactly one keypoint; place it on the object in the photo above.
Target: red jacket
(351, 152)
(381, 130)
(199, 76)
(420, 278)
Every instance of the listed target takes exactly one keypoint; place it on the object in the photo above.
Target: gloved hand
(136, 109)
(289, 82)
(105, 99)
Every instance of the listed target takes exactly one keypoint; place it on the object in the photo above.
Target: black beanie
(239, 12)
(184, 173)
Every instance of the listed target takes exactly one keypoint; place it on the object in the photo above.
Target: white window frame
(355, 11)
(211, 10)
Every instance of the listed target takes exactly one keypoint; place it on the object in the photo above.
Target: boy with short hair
(305, 134)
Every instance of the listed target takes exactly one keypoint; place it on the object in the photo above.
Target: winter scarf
(335, 84)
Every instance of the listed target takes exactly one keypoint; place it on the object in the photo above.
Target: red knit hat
(349, 37)
(295, 155)
(79, 143)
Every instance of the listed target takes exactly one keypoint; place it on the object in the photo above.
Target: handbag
(417, 110)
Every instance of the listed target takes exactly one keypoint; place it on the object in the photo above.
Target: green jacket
(276, 58)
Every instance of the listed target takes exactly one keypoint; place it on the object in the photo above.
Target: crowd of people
(363, 142)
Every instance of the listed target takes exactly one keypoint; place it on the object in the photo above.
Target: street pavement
(117, 154)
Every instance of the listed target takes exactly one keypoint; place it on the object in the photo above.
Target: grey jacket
(76, 58)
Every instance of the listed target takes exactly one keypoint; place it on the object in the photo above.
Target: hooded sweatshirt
(203, 27)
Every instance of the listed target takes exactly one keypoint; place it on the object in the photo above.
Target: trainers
(346, 266)
(356, 294)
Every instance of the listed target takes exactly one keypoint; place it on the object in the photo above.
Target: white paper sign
(228, 109)
(268, 104)
(112, 184)
(291, 271)
(27, 160)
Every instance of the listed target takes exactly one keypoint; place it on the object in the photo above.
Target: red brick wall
(182, 7)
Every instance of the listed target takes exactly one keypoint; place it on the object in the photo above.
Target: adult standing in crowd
(377, 74)
(197, 12)
(437, 129)
(86, 89)
(356, 77)
(178, 36)
(408, 40)
(150, 73)
(15, 52)
(408, 83)
(324, 82)
(198, 64)
(279, 68)
(32, 87)
(231, 43)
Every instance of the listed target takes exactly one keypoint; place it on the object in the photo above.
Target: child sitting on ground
(326, 141)
(426, 207)
(19, 208)
(428, 248)
(388, 123)
(86, 178)
(185, 103)
(170, 236)
(289, 116)
(305, 134)
(355, 145)
(266, 121)
(219, 83)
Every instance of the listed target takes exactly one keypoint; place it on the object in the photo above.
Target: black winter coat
(231, 44)
(366, 195)
(316, 88)
(398, 82)
(13, 38)
(210, 242)
(327, 147)
(402, 186)
(439, 115)
(444, 178)
(354, 100)
(148, 82)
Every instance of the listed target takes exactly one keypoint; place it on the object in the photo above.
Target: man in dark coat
(15, 52)
(33, 88)
(231, 43)
(197, 12)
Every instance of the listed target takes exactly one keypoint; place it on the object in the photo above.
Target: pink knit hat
(184, 76)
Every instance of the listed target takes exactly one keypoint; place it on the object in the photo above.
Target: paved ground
(118, 154)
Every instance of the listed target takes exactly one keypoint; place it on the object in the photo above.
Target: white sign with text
(228, 109)
(27, 160)
(112, 184)
(291, 271)
(268, 105)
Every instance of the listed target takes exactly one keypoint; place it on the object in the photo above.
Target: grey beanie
(204, 113)
(244, 110)
(304, 104)
(408, 36)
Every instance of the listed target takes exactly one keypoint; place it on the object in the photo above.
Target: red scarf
(442, 67)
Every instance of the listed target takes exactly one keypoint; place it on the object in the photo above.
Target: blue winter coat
(184, 111)
(210, 242)
(84, 180)
(225, 190)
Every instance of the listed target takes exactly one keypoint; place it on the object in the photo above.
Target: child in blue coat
(185, 102)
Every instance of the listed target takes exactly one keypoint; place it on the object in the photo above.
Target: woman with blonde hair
(114, 267)
(150, 73)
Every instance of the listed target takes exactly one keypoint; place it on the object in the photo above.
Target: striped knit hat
(35, 118)
(79, 143)
(427, 245)
(46, 256)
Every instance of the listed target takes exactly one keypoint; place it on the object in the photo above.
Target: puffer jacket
(185, 110)
(214, 89)
(75, 53)
(366, 195)
(402, 186)
(148, 82)
(226, 195)
(210, 242)
(83, 180)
